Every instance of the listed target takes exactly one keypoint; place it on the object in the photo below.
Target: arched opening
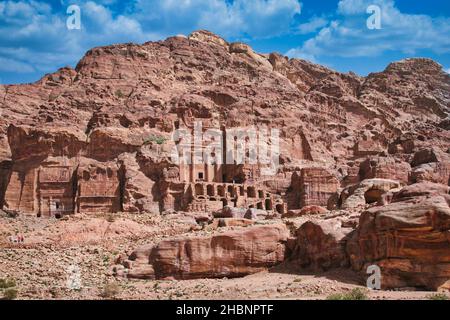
(260, 194)
(241, 191)
(251, 192)
(210, 190)
(231, 191)
(280, 208)
(269, 204)
(199, 190)
(260, 206)
(224, 202)
(373, 195)
(221, 191)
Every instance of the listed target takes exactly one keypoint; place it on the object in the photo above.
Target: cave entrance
(280, 208)
(210, 190)
(269, 204)
(55, 208)
(251, 192)
(373, 195)
(199, 190)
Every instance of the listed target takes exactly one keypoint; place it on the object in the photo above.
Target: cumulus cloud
(35, 38)
(314, 24)
(347, 34)
(10, 65)
(256, 18)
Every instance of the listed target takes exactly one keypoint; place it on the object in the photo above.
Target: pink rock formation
(407, 239)
(122, 102)
(320, 245)
(98, 138)
(228, 254)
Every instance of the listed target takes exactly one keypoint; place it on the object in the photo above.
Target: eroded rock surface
(229, 254)
(98, 139)
(408, 238)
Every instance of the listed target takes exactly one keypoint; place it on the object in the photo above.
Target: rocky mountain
(98, 138)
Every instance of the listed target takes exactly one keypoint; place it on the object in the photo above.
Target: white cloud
(256, 18)
(34, 38)
(10, 65)
(448, 70)
(348, 36)
(314, 24)
(299, 54)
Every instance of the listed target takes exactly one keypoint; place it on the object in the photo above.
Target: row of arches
(233, 191)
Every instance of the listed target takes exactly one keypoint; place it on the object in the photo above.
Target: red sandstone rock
(308, 210)
(320, 245)
(228, 254)
(255, 214)
(230, 212)
(118, 96)
(366, 192)
(385, 168)
(407, 239)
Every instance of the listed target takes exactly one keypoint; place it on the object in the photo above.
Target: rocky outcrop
(308, 210)
(385, 168)
(314, 186)
(408, 239)
(228, 254)
(320, 245)
(366, 192)
(230, 212)
(431, 164)
(121, 104)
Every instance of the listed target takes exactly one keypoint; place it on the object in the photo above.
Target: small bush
(438, 296)
(7, 283)
(10, 294)
(156, 139)
(355, 294)
(110, 290)
(111, 218)
(119, 94)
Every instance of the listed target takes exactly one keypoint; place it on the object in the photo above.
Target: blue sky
(34, 39)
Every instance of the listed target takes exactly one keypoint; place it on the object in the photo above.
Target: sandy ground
(56, 254)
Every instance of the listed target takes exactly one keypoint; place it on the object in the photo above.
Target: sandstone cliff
(105, 110)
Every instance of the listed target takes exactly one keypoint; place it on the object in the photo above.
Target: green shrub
(110, 290)
(119, 94)
(355, 294)
(110, 218)
(438, 296)
(156, 139)
(10, 294)
(7, 283)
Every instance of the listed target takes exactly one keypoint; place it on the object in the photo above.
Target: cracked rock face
(98, 138)
(408, 238)
(228, 254)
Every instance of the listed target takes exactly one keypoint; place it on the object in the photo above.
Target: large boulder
(320, 245)
(408, 239)
(385, 168)
(366, 192)
(228, 254)
(255, 214)
(230, 212)
(308, 210)
(438, 172)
